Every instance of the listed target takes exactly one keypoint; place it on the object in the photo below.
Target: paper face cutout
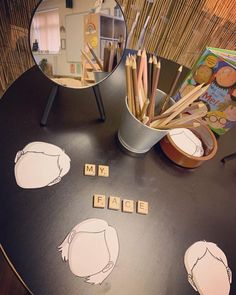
(207, 268)
(40, 164)
(92, 249)
(187, 141)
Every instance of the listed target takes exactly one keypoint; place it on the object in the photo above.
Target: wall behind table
(14, 49)
(197, 24)
(180, 30)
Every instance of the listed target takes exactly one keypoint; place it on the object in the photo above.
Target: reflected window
(46, 31)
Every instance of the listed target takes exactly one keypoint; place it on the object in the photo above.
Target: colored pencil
(135, 86)
(145, 76)
(156, 75)
(168, 96)
(144, 109)
(89, 60)
(149, 77)
(139, 54)
(128, 84)
(95, 56)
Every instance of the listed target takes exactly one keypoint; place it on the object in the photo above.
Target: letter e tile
(142, 207)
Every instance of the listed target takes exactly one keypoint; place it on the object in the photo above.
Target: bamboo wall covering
(175, 29)
(181, 29)
(15, 57)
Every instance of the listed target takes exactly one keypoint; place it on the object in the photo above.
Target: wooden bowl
(175, 154)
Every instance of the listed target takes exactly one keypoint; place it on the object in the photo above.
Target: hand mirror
(77, 43)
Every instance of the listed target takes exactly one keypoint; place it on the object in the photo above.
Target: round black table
(185, 205)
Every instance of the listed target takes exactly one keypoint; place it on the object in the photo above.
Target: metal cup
(134, 135)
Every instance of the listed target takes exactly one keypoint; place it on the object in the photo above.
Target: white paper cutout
(207, 268)
(40, 164)
(92, 249)
(187, 141)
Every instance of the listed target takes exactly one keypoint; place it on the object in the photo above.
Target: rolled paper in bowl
(187, 141)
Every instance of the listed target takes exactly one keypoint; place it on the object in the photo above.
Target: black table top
(185, 205)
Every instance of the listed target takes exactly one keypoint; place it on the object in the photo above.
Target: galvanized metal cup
(136, 137)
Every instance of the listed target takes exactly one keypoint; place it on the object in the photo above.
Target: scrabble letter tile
(128, 206)
(114, 203)
(142, 207)
(90, 169)
(103, 170)
(99, 201)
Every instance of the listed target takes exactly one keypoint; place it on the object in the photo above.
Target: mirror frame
(84, 87)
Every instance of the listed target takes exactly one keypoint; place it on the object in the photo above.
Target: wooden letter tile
(90, 169)
(114, 203)
(103, 170)
(142, 207)
(128, 206)
(99, 201)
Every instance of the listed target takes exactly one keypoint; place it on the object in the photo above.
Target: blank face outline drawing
(207, 268)
(92, 249)
(187, 141)
(40, 164)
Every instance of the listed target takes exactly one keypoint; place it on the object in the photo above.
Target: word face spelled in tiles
(114, 203)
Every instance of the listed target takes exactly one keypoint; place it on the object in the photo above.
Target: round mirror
(77, 43)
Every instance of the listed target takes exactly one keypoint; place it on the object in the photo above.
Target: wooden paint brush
(184, 105)
(173, 126)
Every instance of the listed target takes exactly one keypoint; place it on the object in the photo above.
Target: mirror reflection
(77, 43)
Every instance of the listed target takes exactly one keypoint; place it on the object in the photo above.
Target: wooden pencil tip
(180, 69)
(154, 60)
(150, 60)
(206, 87)
(159, 64)
(127, 61)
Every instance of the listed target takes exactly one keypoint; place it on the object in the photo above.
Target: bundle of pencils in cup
(112, 56)
(142, 78)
